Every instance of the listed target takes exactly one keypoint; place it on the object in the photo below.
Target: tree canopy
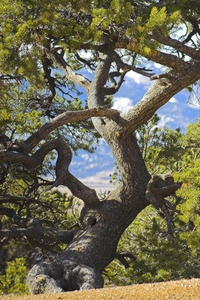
(50, 52)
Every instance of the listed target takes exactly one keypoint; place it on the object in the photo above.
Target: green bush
(14, 279)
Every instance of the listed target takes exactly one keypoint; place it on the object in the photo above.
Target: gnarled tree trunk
(80, 265)
(94, 246)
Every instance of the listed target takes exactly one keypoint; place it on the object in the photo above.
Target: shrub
(14, 279)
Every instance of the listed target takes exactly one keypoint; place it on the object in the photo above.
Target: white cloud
(100, 181)
(173, 100)
(88, 158)
(85, 159)
(86, 54)
(158, 66)
(85, 156)
(164, 120)
(75, 163)
(91, 166)
(139, 79)
(122, 103)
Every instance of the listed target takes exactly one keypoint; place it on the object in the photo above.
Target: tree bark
(94, 246)
(102, 222)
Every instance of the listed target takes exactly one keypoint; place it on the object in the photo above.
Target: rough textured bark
(80, 265)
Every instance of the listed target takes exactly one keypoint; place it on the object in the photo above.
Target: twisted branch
(63, 176)
(114, 86)
(66, 118)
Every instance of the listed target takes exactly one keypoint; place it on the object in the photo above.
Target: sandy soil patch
(181, 289)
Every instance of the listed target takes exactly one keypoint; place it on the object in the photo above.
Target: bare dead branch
(86, 62)
(126, 67)
(114, 85)
(60, 62)
(111, 78)
(179, 46)
(40, 232)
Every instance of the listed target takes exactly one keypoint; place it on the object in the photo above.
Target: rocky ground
(182, 289)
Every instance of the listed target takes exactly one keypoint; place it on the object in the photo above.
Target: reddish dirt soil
(182, 289)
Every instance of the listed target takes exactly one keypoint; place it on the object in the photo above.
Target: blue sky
(94, 169)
